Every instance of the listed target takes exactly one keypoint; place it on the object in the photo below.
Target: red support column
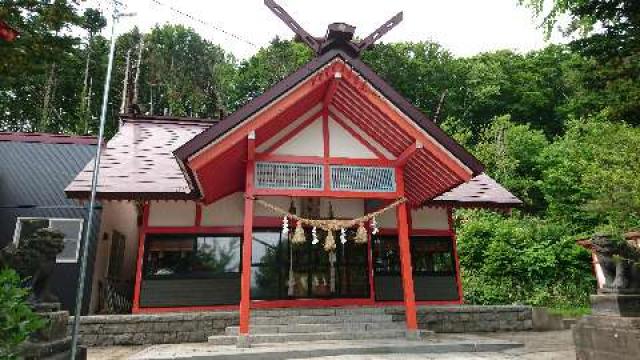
(142, 232)
(405, 260)
(455, 255)
(245, 282)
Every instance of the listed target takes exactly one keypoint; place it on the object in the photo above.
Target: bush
(17, 320)
(521, 260)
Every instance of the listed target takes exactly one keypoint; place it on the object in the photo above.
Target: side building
(34, 170)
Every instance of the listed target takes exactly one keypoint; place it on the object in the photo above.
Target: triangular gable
(346, 84)
(307, 142)
(344, 144)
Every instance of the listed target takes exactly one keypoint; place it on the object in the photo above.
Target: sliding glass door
(281, 271)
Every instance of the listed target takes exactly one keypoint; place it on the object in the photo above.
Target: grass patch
(570, 312)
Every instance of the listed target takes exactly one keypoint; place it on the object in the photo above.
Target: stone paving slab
(553, 345)
(305, 350)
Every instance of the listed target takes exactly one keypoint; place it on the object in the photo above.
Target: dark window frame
(199, 275)
(413, 239)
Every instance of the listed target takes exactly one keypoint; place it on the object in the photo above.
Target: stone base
(601, 337)
(626, 305)
(45, 349)
(244, 342)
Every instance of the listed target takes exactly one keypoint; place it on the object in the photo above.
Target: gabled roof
(35, 168)
(138, 163)
(184, 152)
(481, 191)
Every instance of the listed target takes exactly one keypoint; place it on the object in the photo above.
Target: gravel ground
(550, 345)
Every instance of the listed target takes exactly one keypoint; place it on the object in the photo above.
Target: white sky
(465, 27)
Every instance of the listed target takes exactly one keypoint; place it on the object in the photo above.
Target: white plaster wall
(228, 211)
(287, 129)
(387, 220)
(172, 213)
(118, 216)
(421, 219)
(364, 135)
(430, 218)
(283, 202)
(342, 144)
(308, 142)
(342, 208)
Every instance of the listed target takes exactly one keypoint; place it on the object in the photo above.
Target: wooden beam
(407, 153)
(331, 89)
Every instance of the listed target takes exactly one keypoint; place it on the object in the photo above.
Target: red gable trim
(44, 138)
(202, 140)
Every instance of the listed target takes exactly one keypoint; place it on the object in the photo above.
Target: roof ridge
(48, 138)
(167, 119)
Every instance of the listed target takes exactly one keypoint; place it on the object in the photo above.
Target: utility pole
(116, 14)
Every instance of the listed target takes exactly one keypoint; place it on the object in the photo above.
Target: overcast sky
(465, 27)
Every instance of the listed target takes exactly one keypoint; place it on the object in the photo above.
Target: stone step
(318, 328)
(320, 319)
(319, 312)
(300, 337)
(568, 323)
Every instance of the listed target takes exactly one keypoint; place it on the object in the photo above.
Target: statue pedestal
(52, 341)
(612, 331)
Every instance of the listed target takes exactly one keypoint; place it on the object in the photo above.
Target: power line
(206, 23)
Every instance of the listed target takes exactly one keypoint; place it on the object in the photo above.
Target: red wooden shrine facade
(331, 140)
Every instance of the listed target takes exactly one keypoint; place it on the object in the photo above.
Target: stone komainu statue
(34, 260)
(620, 264)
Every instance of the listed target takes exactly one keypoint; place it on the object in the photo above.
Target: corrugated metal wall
(32, 181)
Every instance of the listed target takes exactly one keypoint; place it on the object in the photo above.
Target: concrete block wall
(469, 318)
(169, 328)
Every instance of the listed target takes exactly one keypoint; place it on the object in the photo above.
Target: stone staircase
(316, 324)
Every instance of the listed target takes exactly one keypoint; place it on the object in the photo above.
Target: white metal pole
(94, 183)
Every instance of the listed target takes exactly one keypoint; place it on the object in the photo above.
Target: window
(429, 255)
(189, 256)
(71, 228)
(432, 255)
(386, 255)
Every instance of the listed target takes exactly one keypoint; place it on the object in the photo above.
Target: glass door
(281, 270)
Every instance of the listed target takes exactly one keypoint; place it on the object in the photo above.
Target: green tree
(17, 320)
(264, 69)
(512, 155)
(521, 260)
(609, 32)
(590, 177)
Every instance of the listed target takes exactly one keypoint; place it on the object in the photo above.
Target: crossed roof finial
(339, 35)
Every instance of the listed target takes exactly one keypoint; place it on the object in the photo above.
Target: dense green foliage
(557, 126)
(17, 320)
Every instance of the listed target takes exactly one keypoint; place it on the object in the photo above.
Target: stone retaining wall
(106, 330)
(469, 318)
(167, 328)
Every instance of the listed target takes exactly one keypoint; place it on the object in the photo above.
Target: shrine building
(330, 189)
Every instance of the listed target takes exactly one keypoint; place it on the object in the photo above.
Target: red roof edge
(45, 138)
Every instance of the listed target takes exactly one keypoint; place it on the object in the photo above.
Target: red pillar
(405, 260)
(247, 236)
(142, 230)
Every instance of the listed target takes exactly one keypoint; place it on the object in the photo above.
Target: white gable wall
(308, 142)
(342, 144)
